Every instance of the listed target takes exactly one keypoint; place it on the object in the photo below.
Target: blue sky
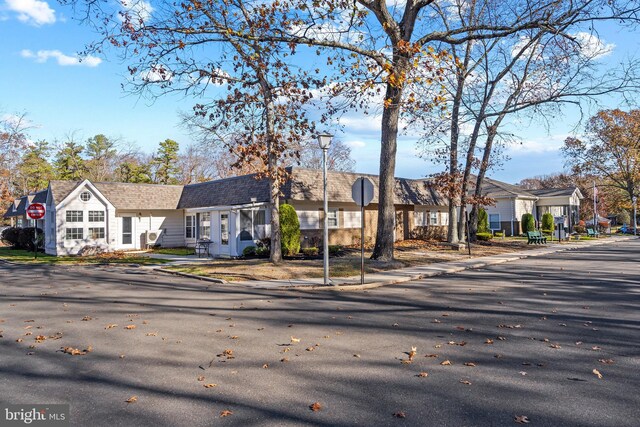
(40, 75)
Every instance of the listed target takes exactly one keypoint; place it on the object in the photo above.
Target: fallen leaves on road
(412, 353)
(295, 340)
(465, 382)
(597, 374)
(87, 318)
(445, 363)
(132, 399)
(400, 414)
(225, 413)
(75, 351)
(265, 366)
(152, 334)
(556, 346)
(430, 355)
(423, 374)
(200, 378)
(522, 419)
(606, 361)
(130, 327)
(284, 359)
(211, 385)
(488, 341)
(315, 407)
(310, 348)
(470, 364)
(40, 338)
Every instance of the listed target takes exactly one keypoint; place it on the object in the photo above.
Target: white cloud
(43, 56)
(156, 74)
(592, 47)
(545, 144)
(356, 144)
(34, 12)
(137, 10)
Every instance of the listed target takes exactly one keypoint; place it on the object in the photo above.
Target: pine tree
(34, 171)
(69, 164)
(165, 163)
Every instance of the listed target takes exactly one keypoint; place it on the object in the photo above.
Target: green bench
(535, 237)
(592, 233)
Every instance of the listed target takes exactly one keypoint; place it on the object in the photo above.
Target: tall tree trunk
(454, 197)
(484, 165)
(273, 172)
(383, 249)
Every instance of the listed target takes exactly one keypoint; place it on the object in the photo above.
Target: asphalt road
(535, 329)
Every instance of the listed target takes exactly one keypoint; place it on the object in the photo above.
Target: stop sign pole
(35, 211)
(362, 194)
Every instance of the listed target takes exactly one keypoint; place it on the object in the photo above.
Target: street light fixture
(324, 140)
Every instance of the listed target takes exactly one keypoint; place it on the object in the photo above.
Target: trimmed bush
(26, 237)
(547, 222)
(498, 234)
(484, 237)
(580, 229)
(9, 236)
(483, 221)
(335, 250)
(623, 217)
(310, 252)
(289, 230)
(249, 251)
(263, 252)
(528, 223)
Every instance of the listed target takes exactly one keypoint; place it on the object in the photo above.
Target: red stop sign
(36, 211)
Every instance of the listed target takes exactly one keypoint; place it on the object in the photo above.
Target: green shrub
(310, 252)
(263, 252)
(26, 237)
(483, 221)
(623, 217)
(498, 234)
(547, 231)
(335, 250)
(9, 236)
(527, 223)
(289, 230)
(547, 222)
(249, 251)
(484, 237)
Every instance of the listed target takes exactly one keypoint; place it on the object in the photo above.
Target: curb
(453, 270)
(191, 276)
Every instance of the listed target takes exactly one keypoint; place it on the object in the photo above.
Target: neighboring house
(17, 211)
(512, 201)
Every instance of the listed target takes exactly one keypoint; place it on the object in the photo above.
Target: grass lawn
(174, 251)
(408, 254)
(26, 257)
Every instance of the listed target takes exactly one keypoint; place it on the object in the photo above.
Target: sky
(40, 75)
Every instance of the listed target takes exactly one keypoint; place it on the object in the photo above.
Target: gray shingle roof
(126, 196)
(498, 189)
(306, 184)
(237, 190)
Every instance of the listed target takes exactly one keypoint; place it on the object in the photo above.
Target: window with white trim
(332, 218)
(75, 216)
(494, 221)
(74, 233)
(96, 233)
(96, 216)
(433, 218)
(190, 227)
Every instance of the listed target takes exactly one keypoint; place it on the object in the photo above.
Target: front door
(224, 233)
(127, 233)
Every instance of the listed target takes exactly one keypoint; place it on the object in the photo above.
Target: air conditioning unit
(152, 237)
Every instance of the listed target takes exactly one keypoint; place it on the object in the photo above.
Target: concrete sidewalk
(404, 275)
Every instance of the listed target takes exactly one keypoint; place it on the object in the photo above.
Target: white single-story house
(512, 201)
(234, 213)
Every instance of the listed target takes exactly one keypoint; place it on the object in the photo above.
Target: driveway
(521, 339)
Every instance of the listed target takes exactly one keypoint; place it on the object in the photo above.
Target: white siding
(351, 219)
(71, 247)
(169, 222)
(309, 219)
(524, 206)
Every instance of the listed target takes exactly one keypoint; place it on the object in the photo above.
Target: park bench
(592, 233)
(535, 237)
